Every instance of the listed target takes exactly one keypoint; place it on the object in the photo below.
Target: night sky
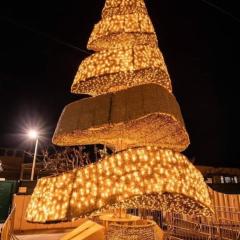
(201, 49)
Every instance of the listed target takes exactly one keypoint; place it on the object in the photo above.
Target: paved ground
(41, 236)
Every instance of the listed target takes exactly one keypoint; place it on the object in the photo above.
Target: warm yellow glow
(147, 178)
(128, 53)
(121, 68)
(123, 23)
(112, 120)
(142, 230)
(123, 7)
(150, 177)
(51, 197)
(124, 30)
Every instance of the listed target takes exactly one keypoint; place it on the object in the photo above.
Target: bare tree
(65, 159)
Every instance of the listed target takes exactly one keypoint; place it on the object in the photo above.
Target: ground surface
(41, 236)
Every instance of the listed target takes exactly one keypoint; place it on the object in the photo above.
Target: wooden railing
(7, 232)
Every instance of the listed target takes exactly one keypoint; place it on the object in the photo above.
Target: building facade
(11, 162)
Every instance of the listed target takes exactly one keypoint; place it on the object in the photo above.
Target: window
(217, 179)
(19, 154)
(10, 153)
(2, 152)
(228, 180)
(222, 179)
(209, 180)
(235, 179)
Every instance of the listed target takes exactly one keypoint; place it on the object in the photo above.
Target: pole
(34, 160)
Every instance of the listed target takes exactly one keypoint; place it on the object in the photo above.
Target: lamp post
(33, 134)
(1, 168)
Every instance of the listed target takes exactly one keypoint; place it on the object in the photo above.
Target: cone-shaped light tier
(128, 52)
(121, 68)
(124, 120)
(146, 178)
(123, 23)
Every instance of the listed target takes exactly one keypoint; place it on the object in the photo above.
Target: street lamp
(1, 168)
(33, 134)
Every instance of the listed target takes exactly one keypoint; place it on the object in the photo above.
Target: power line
(45, 35)
(221, 10)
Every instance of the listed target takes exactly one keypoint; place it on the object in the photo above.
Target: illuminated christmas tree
(133, 112)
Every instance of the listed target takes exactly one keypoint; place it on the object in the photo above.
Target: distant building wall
(11, 163)
(220, 179)
(219, 171)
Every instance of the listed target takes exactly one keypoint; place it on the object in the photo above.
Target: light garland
(122, 30)
(143, 177)
(123, 23)
(150, 178)
(121, 68)
(145, 231)
(123, 7)
(128, 53)
(112, 120)
(50, 200)
(139, 177)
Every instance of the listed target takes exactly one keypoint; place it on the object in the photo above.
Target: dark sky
(201, 49)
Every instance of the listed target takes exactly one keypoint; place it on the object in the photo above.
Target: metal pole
(34, 160)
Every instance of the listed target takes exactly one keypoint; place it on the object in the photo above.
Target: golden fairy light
(148, 177)
(135, 113)
(50, 199)
(122, 7)
(121, 68)
(112, 120)
(123, 23)
(145, 230)
(138, 29)
(127, 55)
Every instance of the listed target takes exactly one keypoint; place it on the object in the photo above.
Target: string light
(123, 23)
(118, 130)
(121, 68)
(124, 30)
(51, 198)
(152, 177)
(123, 7)
(145, 231)
(158, 179)
(128, 53)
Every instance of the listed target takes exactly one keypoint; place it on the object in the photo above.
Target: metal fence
(223, 225)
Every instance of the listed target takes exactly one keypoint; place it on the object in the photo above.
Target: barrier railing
(7, 232)
(222, 225)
